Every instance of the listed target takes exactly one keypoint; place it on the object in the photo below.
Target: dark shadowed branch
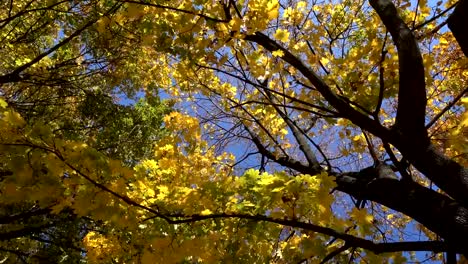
(412, 88)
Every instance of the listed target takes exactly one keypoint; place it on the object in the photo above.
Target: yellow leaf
(150, 192)
(235, 24)
(101, 24)
(273, 14)
(13, 118)
(206, 212)
(443, 41)
(221, 27)
(324, 61)
(135, 10)
(281, 35)
(301, 5)
(163, 192)
(361, 216)
(3, 104)
(277, 53)
(272, 8)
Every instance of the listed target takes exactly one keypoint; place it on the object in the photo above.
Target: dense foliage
(249, 131)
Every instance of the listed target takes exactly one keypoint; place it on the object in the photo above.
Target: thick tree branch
(412, 88)
(344, 108)
(7, 219)
(435, 211)
(447, 174)
(457, 24)
(352, 241)
(23, 232)
(411, 136)
(282, 160)
(298, 135)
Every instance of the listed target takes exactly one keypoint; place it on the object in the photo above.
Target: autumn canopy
(233, 131)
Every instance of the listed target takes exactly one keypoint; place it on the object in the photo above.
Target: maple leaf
(275, 119)
(282, 35)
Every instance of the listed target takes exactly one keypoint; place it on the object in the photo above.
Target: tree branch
(339, 104)
(6, 219)
(411, 109)
(435, 211)
(446, 108)
(7, 20)
(432, 19)
(352, 241)
(411, 135)
(457, 24)
(283, 160)
(335, 253)
(212, 19)
(298, 135)
(14, 76)
(383, 53)
(23, 232)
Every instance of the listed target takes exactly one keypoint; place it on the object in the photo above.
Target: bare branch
(298, 135)
(213, 19)
(7, 20)
(282, 160)
(434, 17)
(335, 253)
(446, 108)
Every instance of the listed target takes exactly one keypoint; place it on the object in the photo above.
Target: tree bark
(457, 24)
(435, 211)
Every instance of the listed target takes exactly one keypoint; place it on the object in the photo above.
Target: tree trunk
(457, 23)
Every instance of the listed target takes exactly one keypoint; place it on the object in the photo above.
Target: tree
(347, 118)
(62, 94)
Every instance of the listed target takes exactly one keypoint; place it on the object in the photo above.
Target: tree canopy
(233, 131)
